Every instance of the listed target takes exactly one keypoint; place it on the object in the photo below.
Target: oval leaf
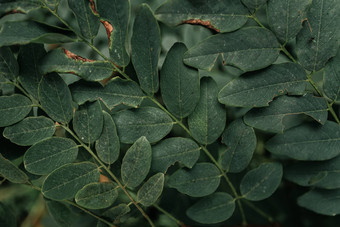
(11, 172)
(151, 190)
(331, 78)
(9, 67)
(13, 109)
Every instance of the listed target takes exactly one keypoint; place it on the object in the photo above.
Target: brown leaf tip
(93, 7)
(201, 22)
(109, 29)
(69, 54)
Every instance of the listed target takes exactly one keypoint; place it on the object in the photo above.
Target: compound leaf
(151, 190)
(13, 109)
(9, 67)
(11, 172)
(331, 78)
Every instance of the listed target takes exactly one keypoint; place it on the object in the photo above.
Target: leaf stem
(179, 223)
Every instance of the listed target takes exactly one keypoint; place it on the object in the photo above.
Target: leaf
(115, 16)
(32, 32)
(284, 17)
(241, 143)
(307, 142)
(22, 6)
(7, 218)
(60, 213)
(88, 122)
(11, 172)
(226, 16)
(175, 149)
(55, 98)
(48, 155)
(136, 163)
(150, 122)
(208, 120)
(87, 21)
(116, 212)
(331, 79)
(318, 40)
(29, 61)
(9, 67)
(215, 208)
(257, 89)
(202, 180)
(253, 4)
(262, 182)
(179, 83)
(324, 202)
(117, 91)
(272, 118)
(151, 190)
(30, 130)
(318, 174)
(145, 51)
(66, 181)
(107, 145)
(248, 49)
(98, 195)
(63, 61)
(13, 109)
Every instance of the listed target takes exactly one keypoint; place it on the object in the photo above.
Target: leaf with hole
(151, 190)
(13, 109)
(11, 172)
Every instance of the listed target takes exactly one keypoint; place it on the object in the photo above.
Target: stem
(257, 210)
(285, 51)
(179, 223)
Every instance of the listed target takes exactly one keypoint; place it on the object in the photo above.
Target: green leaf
(88, 122)
(115, 16)
(116, 212)
(272, 118)
(55, 98)
(175, 149)
(48, 155)
(262, 182)
(13, 109)
(136, 163)
(224, 16)
(215, 208)
(9, 67)
(241, 143)
(324, 174)
(331, 78)
(248, 49)
(253, 4)
(107, 145)
(98, 195)
(32, 32)
(324, 202)
(61, 213)
(7, 218)
(117, 91)
(284, 17)
(66, 181)
(11, 172)
(202, 180)
(150, 122)
(30, 130)
(257, 89)
(22, 6)
(318, 40)
(151, 190)
(208, 120)
(179, 83)
(145, 51)
(307, 142)
(29, 62)
(63, 61)
(87, 21)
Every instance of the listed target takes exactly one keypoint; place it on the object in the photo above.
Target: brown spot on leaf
(108, 28)
(69, 54)
(93, 7)
(103, 178)
(11, 12)
(201, 22)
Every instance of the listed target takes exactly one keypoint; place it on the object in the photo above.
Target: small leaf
(321, 201)
(202, 180)
(272, 118)
(97, 195)
(248, 49)
(256, 89)
(11, 172)
(55, 98)
(262, 182)
(60, 213)
(253, 4)
(116, 212)
(226, 16)
(145, 51)
(151, 190)
(107, 145)
(48, 155)
(7, 218)
(22, 6)
(9, 67)
(65, 182)
(331, 78)
(241, 143)
(117, 91)
(179, 83)
(13, 109)
(175, 149)
(208, 120)
(215, 208)
(136, 163)
(150, 122)
(30, 130)
(307, 142)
